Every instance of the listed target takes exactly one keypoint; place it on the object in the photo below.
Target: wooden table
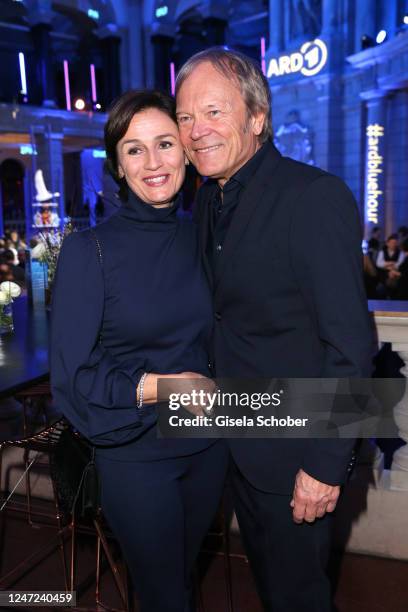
(24, 353)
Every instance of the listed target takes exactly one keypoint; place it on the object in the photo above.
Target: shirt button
(217, 316)
(219, 247)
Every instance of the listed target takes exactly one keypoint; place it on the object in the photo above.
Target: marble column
(364, 21)
(330, 13)
(109, 40)
(44, 66)
(162, 39)
(276, 29)
(134, 61)
(50, 160)
(397, 154)
(215, 31)
(148, 12)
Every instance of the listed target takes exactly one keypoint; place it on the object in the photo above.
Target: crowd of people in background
(386, 265)
(12, 258)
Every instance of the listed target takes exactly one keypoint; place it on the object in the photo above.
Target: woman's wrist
(149, 389)
(140, 390)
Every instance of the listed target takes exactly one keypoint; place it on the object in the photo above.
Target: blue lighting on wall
(93, 14)
(162, 11)
(98, 154)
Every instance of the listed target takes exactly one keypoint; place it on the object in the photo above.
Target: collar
(135, 209)
(246, 172)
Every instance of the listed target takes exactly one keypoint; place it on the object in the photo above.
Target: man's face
(215, 130)
(392, 244)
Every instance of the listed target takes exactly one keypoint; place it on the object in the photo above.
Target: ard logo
(309, 60)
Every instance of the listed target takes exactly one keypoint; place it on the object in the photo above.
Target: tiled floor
(365, 584)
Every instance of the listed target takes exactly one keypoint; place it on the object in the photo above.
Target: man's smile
(207, 149)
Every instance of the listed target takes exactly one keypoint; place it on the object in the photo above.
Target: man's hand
(312, 498)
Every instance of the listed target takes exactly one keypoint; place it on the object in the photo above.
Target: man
(281, 245)
(401, 275)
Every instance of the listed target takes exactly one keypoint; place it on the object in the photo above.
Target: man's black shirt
(225, 202)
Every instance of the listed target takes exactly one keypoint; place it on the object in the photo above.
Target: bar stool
(92, 522)
(68, 524)
(38, 394)
(35, 396)
(43, 442)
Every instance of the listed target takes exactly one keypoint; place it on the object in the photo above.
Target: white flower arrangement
(8, 291)
(4, 298)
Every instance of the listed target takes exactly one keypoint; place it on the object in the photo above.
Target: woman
(130, 303)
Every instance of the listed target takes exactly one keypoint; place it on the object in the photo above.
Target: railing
(372, 515)
(391, 320)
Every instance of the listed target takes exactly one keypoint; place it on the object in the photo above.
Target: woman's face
(151, 158)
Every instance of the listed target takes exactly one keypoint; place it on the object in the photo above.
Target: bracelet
(141, 389)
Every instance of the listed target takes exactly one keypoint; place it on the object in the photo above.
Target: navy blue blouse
(146, 308)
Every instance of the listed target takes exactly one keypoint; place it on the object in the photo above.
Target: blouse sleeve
(93, 389)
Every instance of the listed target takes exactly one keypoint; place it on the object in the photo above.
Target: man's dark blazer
(289, 301)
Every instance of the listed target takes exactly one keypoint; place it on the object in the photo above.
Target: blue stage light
(381, 36)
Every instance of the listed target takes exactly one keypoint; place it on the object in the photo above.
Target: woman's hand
(197, 387)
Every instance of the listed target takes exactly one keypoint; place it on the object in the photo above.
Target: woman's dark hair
(121, 113)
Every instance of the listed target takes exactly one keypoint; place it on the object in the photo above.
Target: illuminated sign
(93, 14)
(93, 83)
(309, 60)
(67, 88)
(374, 132)
(162, 11)
(27, 150)
(23, 77)
(172, 79)
(99, 154)
(263, 52)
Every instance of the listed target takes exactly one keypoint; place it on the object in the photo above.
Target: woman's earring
(186, 161)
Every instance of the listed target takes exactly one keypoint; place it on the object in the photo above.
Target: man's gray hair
(248, 76)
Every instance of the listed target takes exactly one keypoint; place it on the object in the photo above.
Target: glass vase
(6, 319)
